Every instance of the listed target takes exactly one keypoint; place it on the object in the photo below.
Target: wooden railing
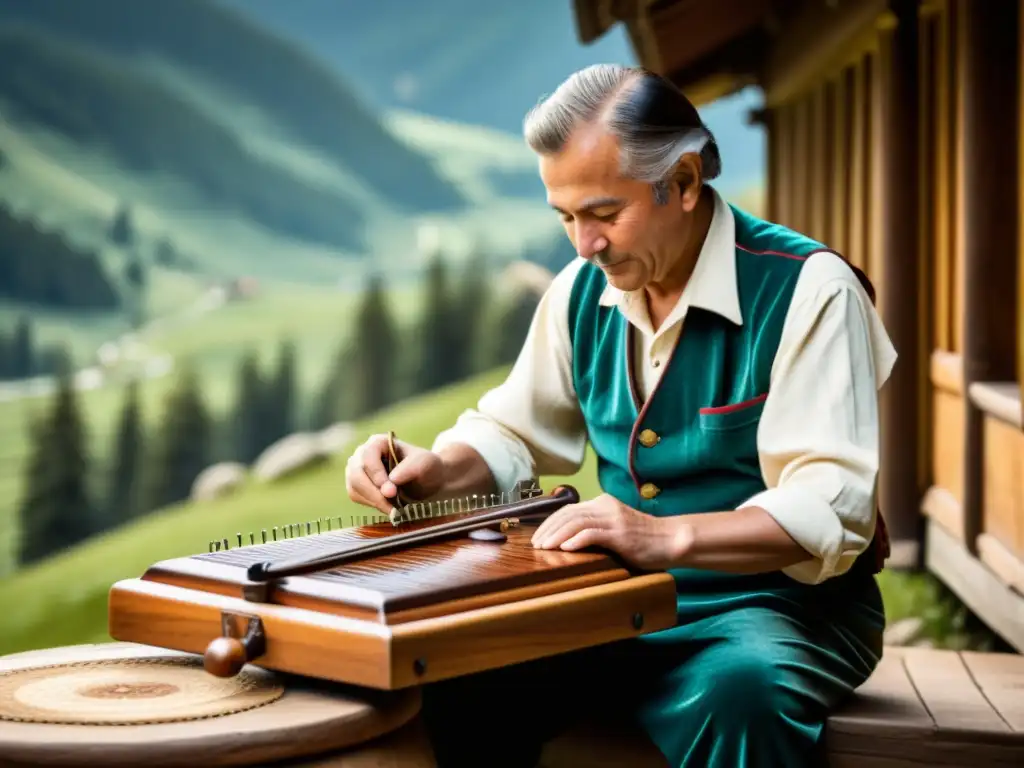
(838, 170)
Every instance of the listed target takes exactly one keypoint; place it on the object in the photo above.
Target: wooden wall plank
(989, 67)
(895, 261)
(857, 245)
(841, 161)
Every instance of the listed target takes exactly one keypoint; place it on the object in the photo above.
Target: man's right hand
(420, 472)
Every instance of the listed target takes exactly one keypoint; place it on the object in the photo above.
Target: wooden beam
(688, 30)
(995, 603)
(897, 81)
(1020, 207)
(989, 69)
(815, 42)
(714, 87)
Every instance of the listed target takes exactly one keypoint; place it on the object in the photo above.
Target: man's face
(612, 221)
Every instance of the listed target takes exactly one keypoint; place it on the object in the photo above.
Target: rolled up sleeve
(531, 425)
(818, 439)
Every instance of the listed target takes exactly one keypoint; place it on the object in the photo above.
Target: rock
(904, 631)
(336, 438)
(218, 480)
(525, 277)
(288, 455)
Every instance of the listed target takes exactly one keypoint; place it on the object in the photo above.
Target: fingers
(588, 537)
(372, 454)
(567, 523)
(366, 478)
(411, 468)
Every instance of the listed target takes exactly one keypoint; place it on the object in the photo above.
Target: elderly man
(725, 371)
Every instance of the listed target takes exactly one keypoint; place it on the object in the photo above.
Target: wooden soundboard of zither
(429, 613)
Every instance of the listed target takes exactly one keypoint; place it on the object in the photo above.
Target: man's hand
(420, 472)
(642, 540)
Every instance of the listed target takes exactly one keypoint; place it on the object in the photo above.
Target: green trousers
(747, 677)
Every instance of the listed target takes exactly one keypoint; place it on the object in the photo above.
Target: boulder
(218, 480)
(336, 438)
(288, 455)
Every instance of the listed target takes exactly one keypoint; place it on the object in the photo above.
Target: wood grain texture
(995, 602)
(415, 583)
(919, 708)
(368, 653)
(311, 721)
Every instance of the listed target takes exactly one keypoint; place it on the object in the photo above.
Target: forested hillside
(96, 101)
(43, 268)
(240, 58)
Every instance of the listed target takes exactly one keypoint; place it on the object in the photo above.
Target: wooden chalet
(894, 134)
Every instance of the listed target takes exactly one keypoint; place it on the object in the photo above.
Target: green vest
(706, 408)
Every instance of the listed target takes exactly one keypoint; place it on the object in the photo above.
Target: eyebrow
(596, 202)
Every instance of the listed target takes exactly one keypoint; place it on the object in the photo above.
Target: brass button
(649, 490)
(649, 437)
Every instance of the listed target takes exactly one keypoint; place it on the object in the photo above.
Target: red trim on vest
(777, 253)
(733, 407)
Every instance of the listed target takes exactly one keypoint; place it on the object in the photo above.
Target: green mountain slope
(97, 102)
(241, 58)
(74, 585)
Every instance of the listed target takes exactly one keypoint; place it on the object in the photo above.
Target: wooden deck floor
(921, 708)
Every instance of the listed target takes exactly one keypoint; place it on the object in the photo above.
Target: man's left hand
(642, 540)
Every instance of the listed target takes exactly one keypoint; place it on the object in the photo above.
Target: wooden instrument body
(396, 620)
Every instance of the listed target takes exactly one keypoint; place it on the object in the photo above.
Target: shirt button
(649, 437)
(649, 490)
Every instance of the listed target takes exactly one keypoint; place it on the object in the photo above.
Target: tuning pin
(273, 532)
(239, 536)
(226, 547)
(252, 538)
(211, 546)
(264, 535)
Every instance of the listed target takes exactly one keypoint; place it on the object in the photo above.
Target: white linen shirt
(817, 440)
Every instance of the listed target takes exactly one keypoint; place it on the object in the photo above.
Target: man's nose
(589, 243)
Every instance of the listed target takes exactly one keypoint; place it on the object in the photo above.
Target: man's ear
(687, 177)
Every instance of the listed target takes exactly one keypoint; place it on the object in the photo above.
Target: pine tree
(471, 337)
(124, 501)
(375, 353)
(280, 394)
(437, 335)
(23, 349)
(250, 415)
(333, 404)
(511, 328)
(56, 511)
(186, 435)
(122, 230)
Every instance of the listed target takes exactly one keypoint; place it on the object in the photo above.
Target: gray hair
(654, 123)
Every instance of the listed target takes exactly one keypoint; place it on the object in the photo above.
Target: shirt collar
(712, 286)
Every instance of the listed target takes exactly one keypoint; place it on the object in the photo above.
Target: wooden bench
(920, 708)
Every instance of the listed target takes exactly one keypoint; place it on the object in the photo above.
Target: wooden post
(899, 490)
(989, 34)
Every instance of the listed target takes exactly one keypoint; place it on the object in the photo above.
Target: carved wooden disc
(130, 692)
(59, 706)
